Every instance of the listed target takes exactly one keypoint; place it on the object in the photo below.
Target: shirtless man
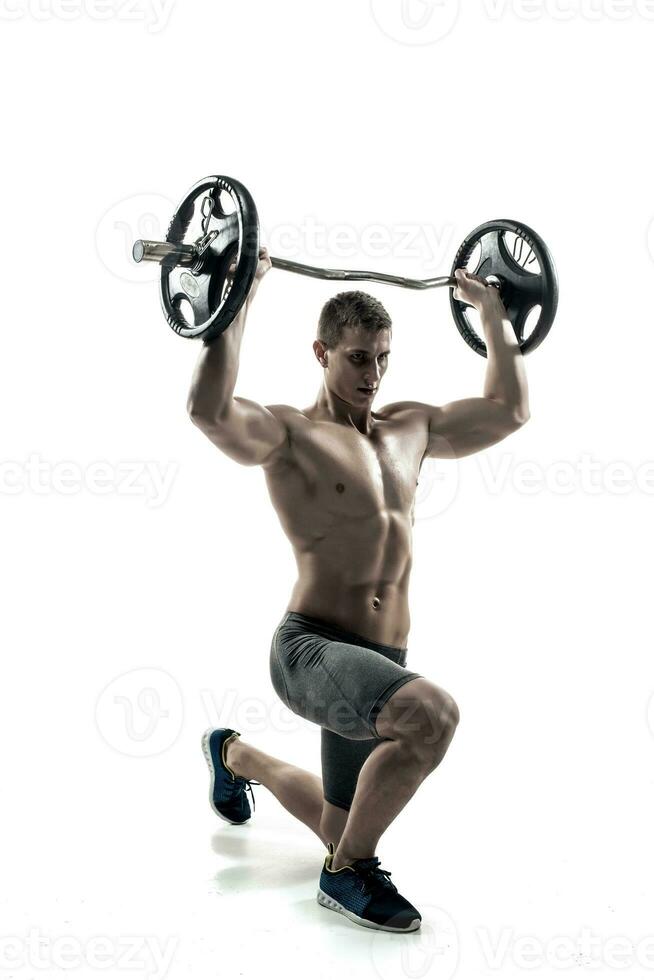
(342, 479)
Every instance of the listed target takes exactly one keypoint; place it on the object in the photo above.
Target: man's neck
(330, 407)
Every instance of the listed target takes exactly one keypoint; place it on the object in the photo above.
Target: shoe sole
(212, 782)
(330, 903)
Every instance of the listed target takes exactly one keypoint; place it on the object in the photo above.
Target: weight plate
(522, 262)
(200, 302)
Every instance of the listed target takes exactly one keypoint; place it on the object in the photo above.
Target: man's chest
(338, 464)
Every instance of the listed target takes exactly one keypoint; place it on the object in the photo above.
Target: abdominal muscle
(358, 577)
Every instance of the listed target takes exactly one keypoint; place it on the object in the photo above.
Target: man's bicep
(467, 426)
(249, 433)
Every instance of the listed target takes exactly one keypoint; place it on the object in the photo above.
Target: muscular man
(342, 479)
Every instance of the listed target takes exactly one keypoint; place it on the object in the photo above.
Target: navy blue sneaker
(365, 894)
(227, 791)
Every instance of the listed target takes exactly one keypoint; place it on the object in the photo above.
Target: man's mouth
(368, 391)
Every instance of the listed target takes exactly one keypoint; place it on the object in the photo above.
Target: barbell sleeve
(165, 253)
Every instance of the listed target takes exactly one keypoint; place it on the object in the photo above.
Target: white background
(133, 618)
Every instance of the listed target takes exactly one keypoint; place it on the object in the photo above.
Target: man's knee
(437, 718)
(422, 715)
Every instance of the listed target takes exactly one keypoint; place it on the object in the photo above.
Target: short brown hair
(351, 309)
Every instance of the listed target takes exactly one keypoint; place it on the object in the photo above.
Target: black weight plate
(235, 235)
(510, 250)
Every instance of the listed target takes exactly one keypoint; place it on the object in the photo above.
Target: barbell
(217, 224)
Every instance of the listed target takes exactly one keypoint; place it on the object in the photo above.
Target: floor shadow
(263, 861)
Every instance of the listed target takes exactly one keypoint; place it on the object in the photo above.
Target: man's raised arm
(469, 425)
(506, 378)
(244, 430)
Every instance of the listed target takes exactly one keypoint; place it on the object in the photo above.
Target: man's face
(355, 368)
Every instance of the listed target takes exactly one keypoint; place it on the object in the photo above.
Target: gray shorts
(340, 681)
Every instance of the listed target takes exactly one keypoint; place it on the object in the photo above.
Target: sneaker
(227, 791)
(364, 893)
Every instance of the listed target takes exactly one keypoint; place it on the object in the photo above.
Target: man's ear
(321, 352)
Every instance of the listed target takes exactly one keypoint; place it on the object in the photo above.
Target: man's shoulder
(286, 413)
(407, 418)
(405, 409)
(291, 418)
(282, 409)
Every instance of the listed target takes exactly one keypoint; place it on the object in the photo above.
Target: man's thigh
(339, 686)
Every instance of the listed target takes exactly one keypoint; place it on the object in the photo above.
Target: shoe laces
(375, 878)
(249, 783)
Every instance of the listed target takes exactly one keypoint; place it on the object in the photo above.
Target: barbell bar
(198, 271)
